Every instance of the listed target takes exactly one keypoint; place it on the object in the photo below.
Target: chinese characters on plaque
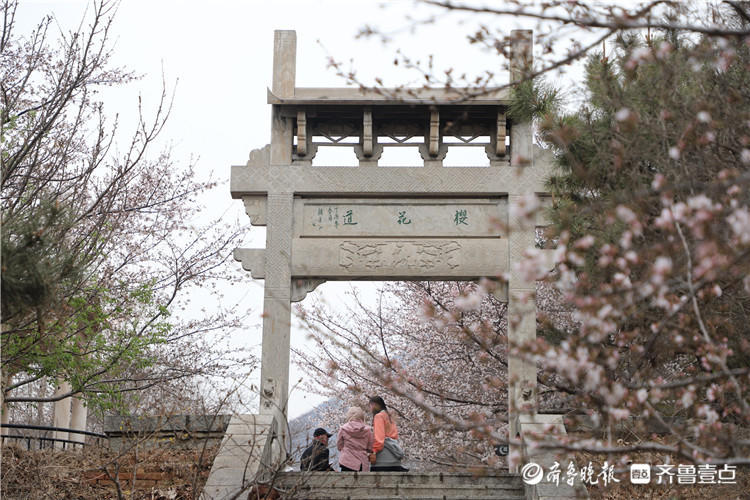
(332, 216)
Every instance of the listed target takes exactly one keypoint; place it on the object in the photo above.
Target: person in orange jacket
(387, 452)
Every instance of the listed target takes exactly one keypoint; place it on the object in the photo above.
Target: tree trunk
(78, 420)
(62, 412)
(4, 410)
(40, 405)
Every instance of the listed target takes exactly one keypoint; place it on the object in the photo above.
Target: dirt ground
(96, 473)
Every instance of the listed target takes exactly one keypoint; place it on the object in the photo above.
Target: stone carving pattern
(398, 255)
(279, 241)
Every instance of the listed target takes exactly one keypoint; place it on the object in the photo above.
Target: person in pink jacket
(355, 441)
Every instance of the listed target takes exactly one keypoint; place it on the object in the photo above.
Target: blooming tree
(443, 344)
(99, 246)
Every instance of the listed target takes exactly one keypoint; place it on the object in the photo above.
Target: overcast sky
(221, 53)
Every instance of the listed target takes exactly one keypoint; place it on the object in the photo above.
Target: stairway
(397, 485)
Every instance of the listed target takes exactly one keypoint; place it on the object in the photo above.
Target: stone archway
(421, 221)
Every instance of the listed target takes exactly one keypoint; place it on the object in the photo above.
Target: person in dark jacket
(316, 456)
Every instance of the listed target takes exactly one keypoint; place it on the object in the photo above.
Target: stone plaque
(388, 218)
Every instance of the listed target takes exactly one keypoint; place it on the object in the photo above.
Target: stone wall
(145, 477)
(156, 473)
(173, 431)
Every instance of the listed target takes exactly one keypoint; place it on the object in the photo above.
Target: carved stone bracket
(367, 140)
(433, 161)
(434, 137)
(368, 150)
(305, 150)
(500, 134)
(498, 288)
(255, 208)
(300, 288)
(260, 156)
(368, 161)
(433, 150)
(253, 260)
(301, 134)
(496, 150)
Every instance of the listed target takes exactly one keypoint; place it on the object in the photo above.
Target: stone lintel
(345, 259)
(259, 180)
(403, 96)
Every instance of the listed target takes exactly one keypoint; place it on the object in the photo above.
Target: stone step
(402, 492)
(389, 485)
(378, 478)
(378, 496)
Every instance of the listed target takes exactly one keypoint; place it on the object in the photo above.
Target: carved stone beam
(367, 133)
(253, 260)
(301, 287)
(301, 133)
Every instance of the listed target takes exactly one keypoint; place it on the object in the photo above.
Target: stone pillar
(277, 304)
(521, 294)
(62, 411)
(78, 417)
(284, 74)
(274, 376)
(521, 65)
